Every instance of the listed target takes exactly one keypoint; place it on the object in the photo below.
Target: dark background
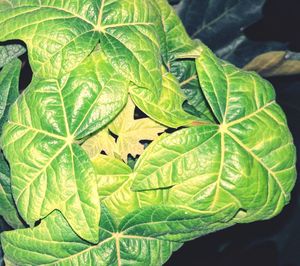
(275, 242)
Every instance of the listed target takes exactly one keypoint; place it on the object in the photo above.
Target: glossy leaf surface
(248, 160)
(64, 33)
(49, 170)
(114, 182)
(115, 247)
(167, 108)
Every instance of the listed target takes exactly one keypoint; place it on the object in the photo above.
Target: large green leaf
(54, 243)
(247, 160)
(49, 170)
(10, 52)
(63, 34)
(167, 108)
(9, 88)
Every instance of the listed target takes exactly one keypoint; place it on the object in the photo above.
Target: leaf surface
(178, 43)
(247, 160)
(8, 208)
(167, 109)
(49, 170)
(114, 182)
(10, 52)
(102, 141)
(66, 248)
(64, 33)
(186, 73)
(9, 88)
(129, 133)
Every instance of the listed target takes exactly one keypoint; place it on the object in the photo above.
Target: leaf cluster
(228, 159)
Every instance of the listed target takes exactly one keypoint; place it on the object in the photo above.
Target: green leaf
(9, 88)
(114, 182)
(177, 43)
(167, 109)
(49, 170)
(10, 52)
(8, 209)
(145, 213)
(63, 247)
(248, 160)
(176, 223)
(186, 73)
(63, 34)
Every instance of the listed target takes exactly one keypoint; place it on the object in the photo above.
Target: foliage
(228, 156)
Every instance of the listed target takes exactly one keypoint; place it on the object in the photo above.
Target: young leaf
(102, 141)
(129, 132)
(167, 109)
(49, 170)
(212, 166)
(9, 88)
(9, 52)
(63, 34)
(64, 247)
